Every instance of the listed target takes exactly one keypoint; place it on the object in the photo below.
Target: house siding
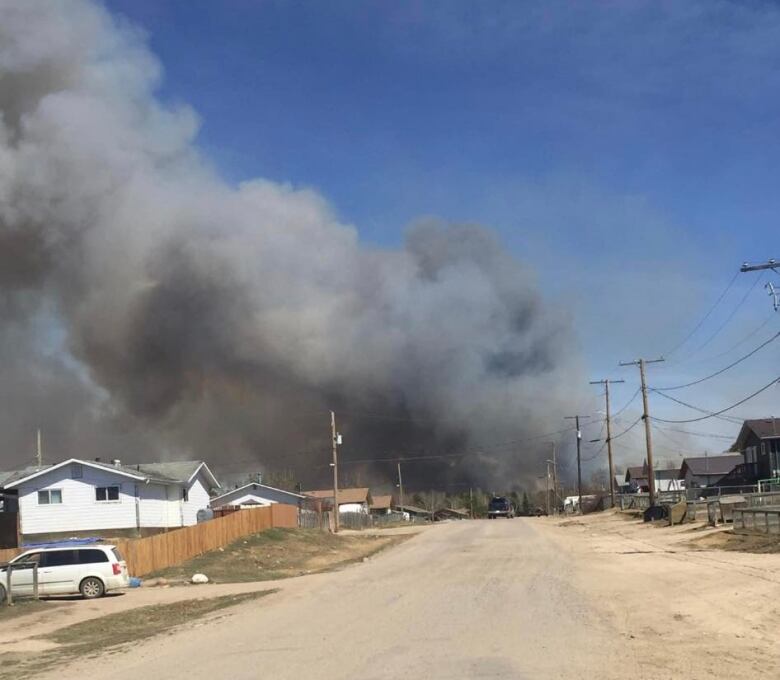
(197, 499)
(79, 511)
(140, 505)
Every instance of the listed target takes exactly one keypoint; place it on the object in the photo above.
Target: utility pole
(547, 491)
(606, 383)
(39, 454)
(555, 481)
(576, 420)
(646, 417)
(335, 465)
(471, 503)
(400, 489)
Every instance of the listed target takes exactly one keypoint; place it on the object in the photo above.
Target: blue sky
(628, 151)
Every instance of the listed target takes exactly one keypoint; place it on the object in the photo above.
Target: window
(117, 554)
(91, 556)
(76, 471)
(50, 497)
(29, 558)
(58, 558)
(184, 495)
(106, 493)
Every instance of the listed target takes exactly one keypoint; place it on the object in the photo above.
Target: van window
(91, 556)
(29, 558)
(58, 558)
(117, 554)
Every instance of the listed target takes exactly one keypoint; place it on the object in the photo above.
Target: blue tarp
(65, 542)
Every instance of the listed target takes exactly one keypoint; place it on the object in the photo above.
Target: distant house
(636, 479)
(78, 497)
(759, 444)
(381, 505)
(450, 513)
(668, 480)
(703, 471)
(350, 500)
(665, 479)
(256, 494)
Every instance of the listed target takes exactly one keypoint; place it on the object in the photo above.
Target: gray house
(254, 494)
(703, 471)
(759, 444)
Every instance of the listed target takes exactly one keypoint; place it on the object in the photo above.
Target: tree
(526, 504)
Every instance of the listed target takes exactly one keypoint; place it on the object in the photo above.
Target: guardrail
(757, 520)
(9, 568)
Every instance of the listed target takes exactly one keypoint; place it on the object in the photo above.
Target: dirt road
(525, 598)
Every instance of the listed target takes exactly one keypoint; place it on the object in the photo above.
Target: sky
(627, 151)
(623, 152)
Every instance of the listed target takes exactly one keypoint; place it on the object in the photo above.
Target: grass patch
(91, 638)
(731, 542)
(24, 606)
(279, 553)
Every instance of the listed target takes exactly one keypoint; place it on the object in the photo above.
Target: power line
(628, 403)
(714, 414)
(756, 330)
(628, 429)
(697, 434)
(721, 371)
(705, 317)
(731, 316)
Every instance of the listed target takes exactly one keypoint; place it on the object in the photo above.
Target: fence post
(9, 598)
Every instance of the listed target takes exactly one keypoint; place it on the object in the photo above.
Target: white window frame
(48, 493)
(118, 498)
(76, 471)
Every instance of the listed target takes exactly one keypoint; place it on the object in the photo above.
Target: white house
(83, 496)
(254, 494)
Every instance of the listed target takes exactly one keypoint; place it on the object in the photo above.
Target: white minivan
(89, 570)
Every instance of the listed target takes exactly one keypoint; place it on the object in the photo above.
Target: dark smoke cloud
(152, 310)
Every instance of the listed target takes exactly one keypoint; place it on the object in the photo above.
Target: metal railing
(7, 571)
(765, 521)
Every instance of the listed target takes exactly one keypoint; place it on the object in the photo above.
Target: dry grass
(731, 542)
(24, 606)
(279, 553)
(114, 632)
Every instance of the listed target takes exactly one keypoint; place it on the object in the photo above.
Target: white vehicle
(91, 570)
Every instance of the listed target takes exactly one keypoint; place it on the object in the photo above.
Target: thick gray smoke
(151, 309)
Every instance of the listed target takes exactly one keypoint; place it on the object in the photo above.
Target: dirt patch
(279, 553)
(729, 541)
(115, 631)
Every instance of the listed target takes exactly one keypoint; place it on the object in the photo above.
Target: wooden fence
(147, 555)
(9, 554)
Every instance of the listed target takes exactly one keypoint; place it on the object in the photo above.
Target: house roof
(670, 473)
(255, 486)
(356, 495)
(166, 473)
(413, 509)
(711, 465)
(636, 472)
(763, 428)
(381, 502)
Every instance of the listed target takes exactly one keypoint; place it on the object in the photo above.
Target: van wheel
(91, 588)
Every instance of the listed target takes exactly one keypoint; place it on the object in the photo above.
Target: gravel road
(510, 599)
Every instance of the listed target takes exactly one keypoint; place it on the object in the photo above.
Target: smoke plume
(151, 309)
